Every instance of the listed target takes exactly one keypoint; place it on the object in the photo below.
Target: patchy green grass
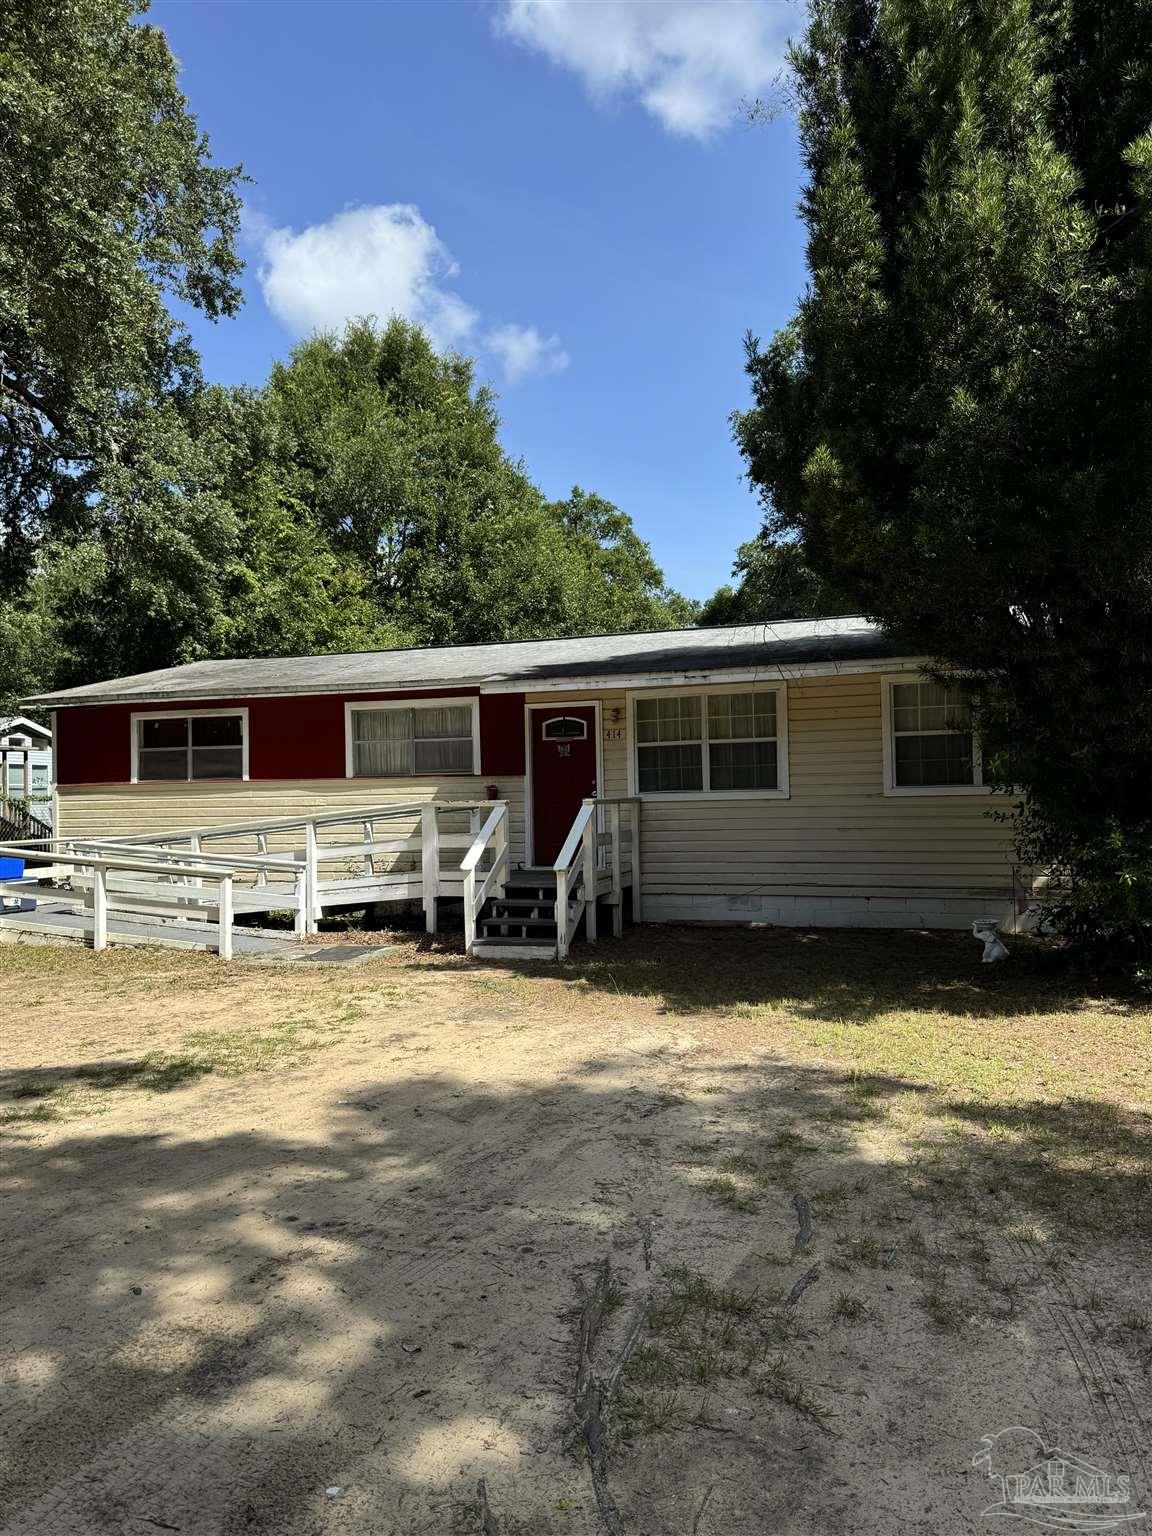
(698, 1334)
(778, 1380)
(848, 1308)
(730, 1193)
(912, 1145)
(250, 1042)
(942, 1308)
(866, 1248)
(917, 1009)
(81, 1090)
(235, 1052)
(1023, 1084)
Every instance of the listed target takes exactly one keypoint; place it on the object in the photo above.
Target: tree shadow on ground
(157, 1072)
(215, 1329)
(836, 974)
(1081, 1161)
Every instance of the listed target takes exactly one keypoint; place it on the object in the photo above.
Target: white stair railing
(621, 843)
(479, 886)
(596, 860)
(320, 841)
(575, 871)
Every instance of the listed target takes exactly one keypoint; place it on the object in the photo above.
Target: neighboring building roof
(19, 725)
(522, 663)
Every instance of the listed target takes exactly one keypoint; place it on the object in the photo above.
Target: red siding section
(502, 735)
(93, 745)
(301, 737)
(298, 738)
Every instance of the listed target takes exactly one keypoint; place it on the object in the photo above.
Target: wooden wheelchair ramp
(61, 922)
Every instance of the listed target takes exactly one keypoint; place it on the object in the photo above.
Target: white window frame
(977, 787)
(189, 714)
(470, 699)
(781, 792)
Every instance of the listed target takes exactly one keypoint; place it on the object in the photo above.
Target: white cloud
(524, 352)
(385, 260)
(688, 61)
(380, 261)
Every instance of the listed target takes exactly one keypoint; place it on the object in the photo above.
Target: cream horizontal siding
(837, 846)
(149, 810)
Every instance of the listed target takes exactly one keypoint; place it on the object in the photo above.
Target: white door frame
(558, 706)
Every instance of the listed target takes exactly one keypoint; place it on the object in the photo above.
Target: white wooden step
(512, 949)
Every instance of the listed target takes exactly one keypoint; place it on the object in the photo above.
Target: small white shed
(25, 759)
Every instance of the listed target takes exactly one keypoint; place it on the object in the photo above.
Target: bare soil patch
(711, 1232)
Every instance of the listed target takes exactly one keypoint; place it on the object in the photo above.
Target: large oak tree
(392, 453)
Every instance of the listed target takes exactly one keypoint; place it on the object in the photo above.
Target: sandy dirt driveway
(333, 1293)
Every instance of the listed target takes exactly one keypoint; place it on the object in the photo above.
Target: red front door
(563, 773)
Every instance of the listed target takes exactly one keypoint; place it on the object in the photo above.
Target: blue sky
(559, 187)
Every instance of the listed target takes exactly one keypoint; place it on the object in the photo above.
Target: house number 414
(614, 733)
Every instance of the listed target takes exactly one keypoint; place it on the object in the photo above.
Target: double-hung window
(929, 745)
(404, 740)
(208, 744)
(715, 742)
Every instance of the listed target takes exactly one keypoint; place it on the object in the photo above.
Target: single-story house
(798, 773)
(25, 759)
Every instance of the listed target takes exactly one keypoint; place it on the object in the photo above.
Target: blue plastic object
(11, 869)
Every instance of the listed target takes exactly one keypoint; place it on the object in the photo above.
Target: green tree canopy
(361, 499)
(109, 209)
(774, 581)
(612, 583)
(958, 422)
(392, 454)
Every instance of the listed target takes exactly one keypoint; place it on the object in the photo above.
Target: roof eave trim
(585, 682)
(703, 676)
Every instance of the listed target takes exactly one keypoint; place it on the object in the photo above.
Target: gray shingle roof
(532, 663)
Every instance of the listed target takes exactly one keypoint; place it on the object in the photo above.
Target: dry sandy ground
(331, 1295)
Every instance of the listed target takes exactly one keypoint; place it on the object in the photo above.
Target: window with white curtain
(710, 743)
(390, 741)
(929, 745)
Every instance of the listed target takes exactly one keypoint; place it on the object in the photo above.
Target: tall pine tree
(958, 421)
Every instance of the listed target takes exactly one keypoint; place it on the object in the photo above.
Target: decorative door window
(565, 728)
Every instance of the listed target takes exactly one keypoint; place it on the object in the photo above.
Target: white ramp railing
(157, 888)
(389, 852)
(141, 883)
